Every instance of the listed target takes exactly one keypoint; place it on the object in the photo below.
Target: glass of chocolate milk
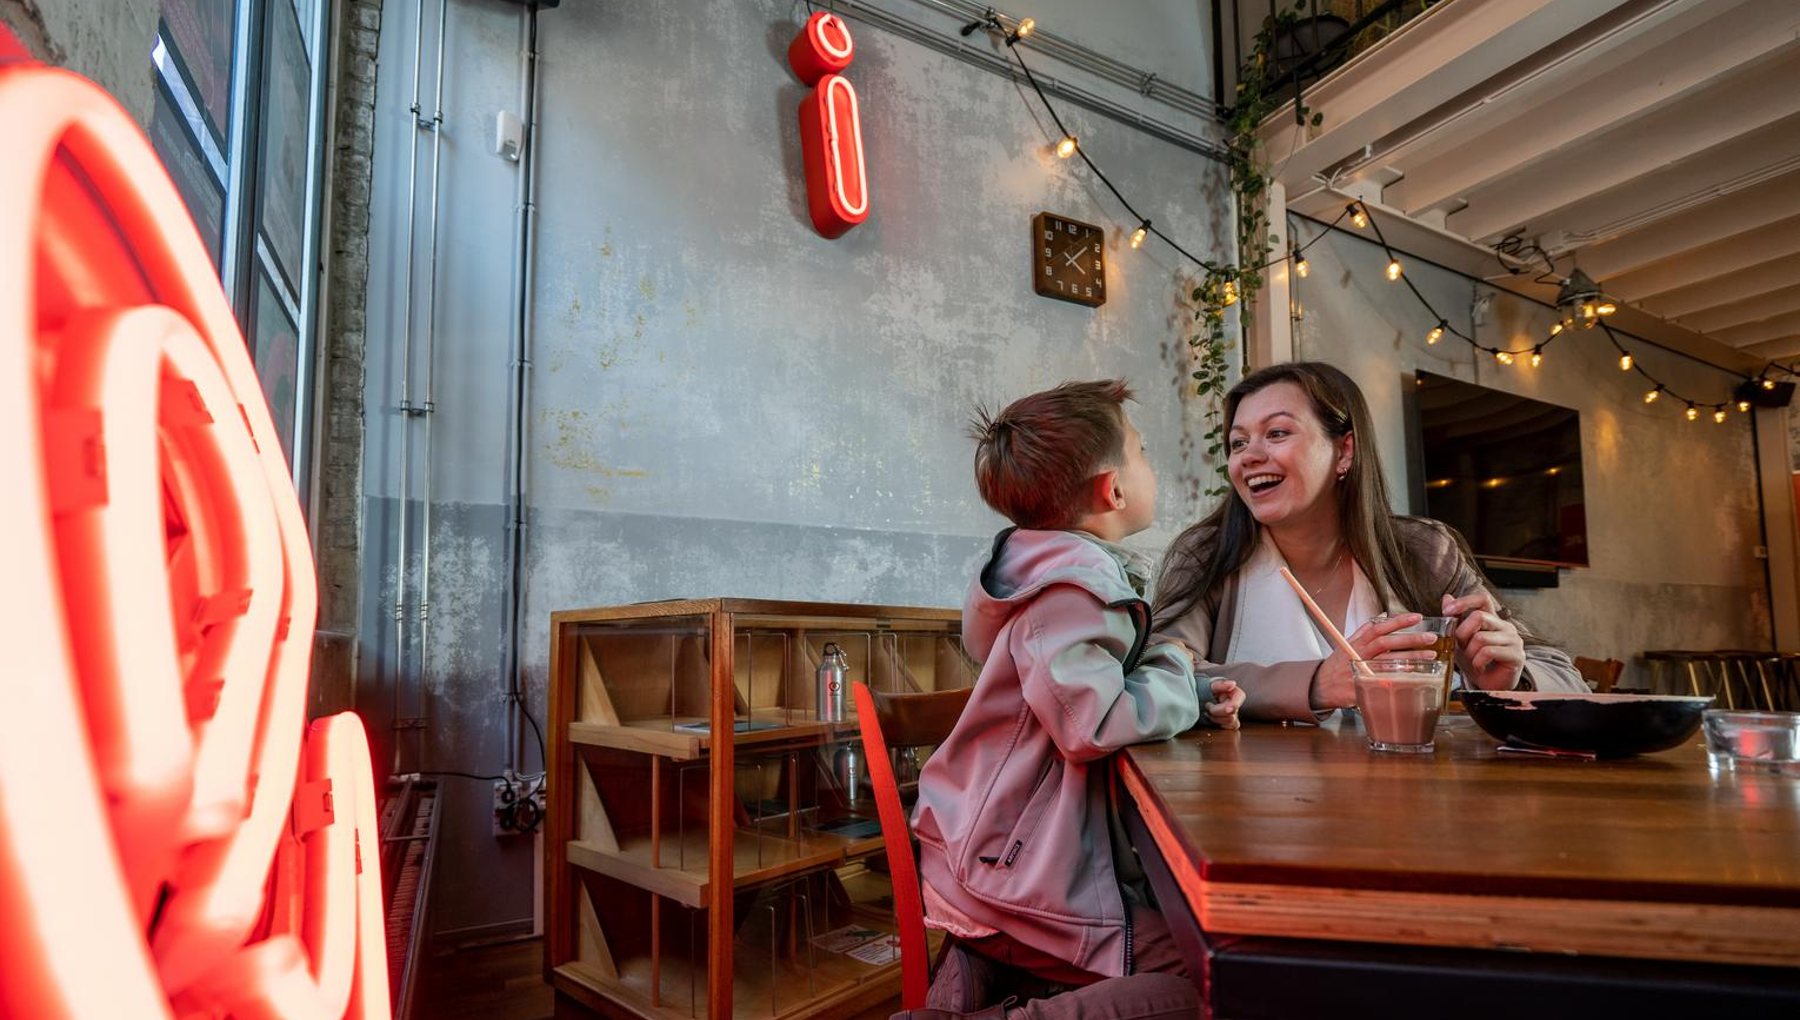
(1400, 702)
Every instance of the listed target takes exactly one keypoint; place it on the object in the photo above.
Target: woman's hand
(1489, 650)
(1334, 684)
(1222, 710)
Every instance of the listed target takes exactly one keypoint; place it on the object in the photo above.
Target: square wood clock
(1068, 259)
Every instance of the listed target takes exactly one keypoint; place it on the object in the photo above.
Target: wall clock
(1068, 259)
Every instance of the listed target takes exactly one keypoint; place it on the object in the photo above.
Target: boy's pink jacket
(1013, 813)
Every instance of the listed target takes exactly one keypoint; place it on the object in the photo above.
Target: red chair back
(896, 721)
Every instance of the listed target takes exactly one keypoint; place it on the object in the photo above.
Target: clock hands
(1075, 265)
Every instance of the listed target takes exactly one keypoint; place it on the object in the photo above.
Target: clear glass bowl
(1754, 741)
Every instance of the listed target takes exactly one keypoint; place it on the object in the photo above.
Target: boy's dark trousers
(997, 970)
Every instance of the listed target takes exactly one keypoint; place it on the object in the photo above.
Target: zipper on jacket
(1013, 854)
(1128, 953)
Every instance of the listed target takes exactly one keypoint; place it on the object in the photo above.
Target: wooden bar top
(1302, 831)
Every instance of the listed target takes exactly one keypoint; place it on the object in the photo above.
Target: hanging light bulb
(1650, 398)
(1555, 328)
(1393, 269)
(1606, 308)
(1138, 235)
(1301, 268)
(1624, 362)
(1066, 147)
(1744, 405)
(1719, 415)
(1692, 412)
(1023, 31)
(1503, 357)
(1231, 294)
(1537, 357)
(1357, 216)
(1437, 332)
(1768, 384)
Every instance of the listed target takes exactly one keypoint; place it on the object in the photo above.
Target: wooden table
(1301, 832)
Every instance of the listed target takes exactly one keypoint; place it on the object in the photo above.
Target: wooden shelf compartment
(641, 954)
(759, 856)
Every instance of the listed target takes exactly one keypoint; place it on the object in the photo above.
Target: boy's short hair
(1033, 459)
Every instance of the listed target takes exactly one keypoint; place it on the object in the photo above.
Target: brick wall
(340, 476)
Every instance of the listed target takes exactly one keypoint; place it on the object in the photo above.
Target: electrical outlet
(518, 804)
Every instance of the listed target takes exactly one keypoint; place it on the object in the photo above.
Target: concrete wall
(1671, 504)
(725, 403)
(109, 41)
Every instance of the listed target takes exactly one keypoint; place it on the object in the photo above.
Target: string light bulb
(1503, 357)
(1393, 269)
(1437, 332)
(1768, 384)
(1301, 268)
(1719, 415)
(1650, 398)
(1231, 293)
(1066, 147)
(1358, 217)
(1555, 328)
(1744, 406)
(1537, 356)
(1624, 362)
(1138, 235)
(1023, 31)
(1606, 308)
(1692, 412)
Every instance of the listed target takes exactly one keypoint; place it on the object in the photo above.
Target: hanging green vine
(1259, 93)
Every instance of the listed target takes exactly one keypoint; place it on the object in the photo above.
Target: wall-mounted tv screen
(1503, 470)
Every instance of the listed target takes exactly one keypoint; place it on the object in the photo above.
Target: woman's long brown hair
(1203, 556)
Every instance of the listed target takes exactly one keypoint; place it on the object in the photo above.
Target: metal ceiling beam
(1777, 328)
(1638, 98)
(1630, 152)
(1720, 258)
(1716, 220)
(1777, 274)
(1737, 313)
(1445, 51)
(1776, 350)
(1745, 162)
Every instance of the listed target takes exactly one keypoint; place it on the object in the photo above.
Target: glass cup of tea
(1444, 629)
(1399, 701)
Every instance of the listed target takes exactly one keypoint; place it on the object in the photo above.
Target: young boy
(1020, 849)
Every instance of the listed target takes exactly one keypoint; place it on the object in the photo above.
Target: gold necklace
(1332, 576)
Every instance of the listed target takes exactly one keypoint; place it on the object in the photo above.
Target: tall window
(238, 121)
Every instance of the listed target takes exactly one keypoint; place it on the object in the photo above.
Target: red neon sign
(837, 180)
(201, 851)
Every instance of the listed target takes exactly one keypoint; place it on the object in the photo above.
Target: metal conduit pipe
(953, 45)
(1145, 83)
(519, 423)
(412, 178)
(423, 660)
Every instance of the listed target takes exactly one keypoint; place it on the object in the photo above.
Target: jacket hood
(1024, 562)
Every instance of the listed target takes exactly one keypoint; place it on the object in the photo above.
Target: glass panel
(277, 352)
(205, 200)
(281, 172)
(199, 33)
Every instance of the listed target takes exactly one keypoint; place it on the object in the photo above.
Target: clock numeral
(1096, 263)
(1090, 292)
(1046, 251)
(1049, 235)
(1048, 271)
(1071, 227)
(1059, 285)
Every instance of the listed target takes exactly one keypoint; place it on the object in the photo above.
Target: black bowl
(1604, 725)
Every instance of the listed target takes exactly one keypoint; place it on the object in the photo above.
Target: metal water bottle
(848, 768)
(834, 684)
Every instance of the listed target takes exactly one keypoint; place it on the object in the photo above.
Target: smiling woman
(1306, 494)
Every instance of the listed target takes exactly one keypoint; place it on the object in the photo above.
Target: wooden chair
(1601, 673)
(890, 722)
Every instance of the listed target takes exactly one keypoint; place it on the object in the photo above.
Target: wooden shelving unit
(690, 876)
